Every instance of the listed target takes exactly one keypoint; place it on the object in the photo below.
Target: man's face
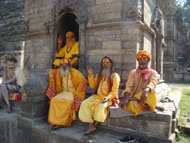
(70, 36)
(106, 63)
(10, 64)
(143, 62)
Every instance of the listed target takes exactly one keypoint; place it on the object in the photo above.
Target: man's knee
(83, 104)
(3, 88)
(101, 106)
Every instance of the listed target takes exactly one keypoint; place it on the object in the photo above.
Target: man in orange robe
(139, 94)
(65, 92)
(69, 51)
(95, 108)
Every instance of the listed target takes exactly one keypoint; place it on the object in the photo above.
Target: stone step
(13, 131)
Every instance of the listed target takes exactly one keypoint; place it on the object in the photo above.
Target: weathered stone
(107, 32)
(106, 52)
(111, 45)
(107, 8)
(35, 86)
(112, 16)
(11, 29)
(105, 38)
(105, 1)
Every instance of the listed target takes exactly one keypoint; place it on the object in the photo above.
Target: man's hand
(144, 95)
(105, 100)
(124, 102)
(73, 56)
(90, 70)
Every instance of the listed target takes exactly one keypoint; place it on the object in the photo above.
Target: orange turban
(143, 53)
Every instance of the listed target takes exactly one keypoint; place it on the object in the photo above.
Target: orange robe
(68, 53)
(136, 85)
(92, 109)
(66, 95)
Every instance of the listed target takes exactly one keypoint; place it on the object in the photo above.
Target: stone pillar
(157, 25)
(34, 107)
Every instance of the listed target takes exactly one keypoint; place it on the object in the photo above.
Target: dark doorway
(67, 23)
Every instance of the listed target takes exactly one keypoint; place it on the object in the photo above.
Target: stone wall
(11, 24)
(38, 48)
(11, 31)
(113, 28)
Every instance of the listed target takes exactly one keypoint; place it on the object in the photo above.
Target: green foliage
(184, 112)
(185, 7)
(183, 138)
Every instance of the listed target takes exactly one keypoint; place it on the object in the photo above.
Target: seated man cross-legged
(139, 93)
(95, 108)
(65, 92)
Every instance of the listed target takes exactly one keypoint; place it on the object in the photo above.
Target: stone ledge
(23, 131)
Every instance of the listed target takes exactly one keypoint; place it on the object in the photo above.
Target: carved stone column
(157, 25)
(34, 105)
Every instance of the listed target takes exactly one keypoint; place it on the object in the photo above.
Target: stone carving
(156, 23)
(75, 6)
(35, 86)
(136, 10)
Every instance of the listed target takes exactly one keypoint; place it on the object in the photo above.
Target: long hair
(100, 75)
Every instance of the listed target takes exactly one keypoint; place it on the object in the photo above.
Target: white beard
(106, 72)
(65, 72)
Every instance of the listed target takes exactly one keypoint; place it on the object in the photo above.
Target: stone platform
(26, 126)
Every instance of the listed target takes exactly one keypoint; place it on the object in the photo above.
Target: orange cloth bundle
(15, 96)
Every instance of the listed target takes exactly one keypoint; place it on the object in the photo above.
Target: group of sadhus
(67, 88)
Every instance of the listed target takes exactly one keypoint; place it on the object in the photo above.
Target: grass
(184, 105)
(183, 138)
(184, 113)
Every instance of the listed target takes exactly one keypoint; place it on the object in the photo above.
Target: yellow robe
(92, 109)
(135, 86)
(67, 53)
(64, 105)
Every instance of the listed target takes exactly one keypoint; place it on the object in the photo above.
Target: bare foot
(9, 109)
(91, 129)
(53, 127)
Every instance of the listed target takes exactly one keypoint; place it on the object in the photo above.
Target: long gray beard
(10, 73)
(64, 72)
(106, 72)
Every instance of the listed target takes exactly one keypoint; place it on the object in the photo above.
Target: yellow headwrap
(143, 53)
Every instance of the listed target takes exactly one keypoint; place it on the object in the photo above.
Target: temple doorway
(67, 23)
